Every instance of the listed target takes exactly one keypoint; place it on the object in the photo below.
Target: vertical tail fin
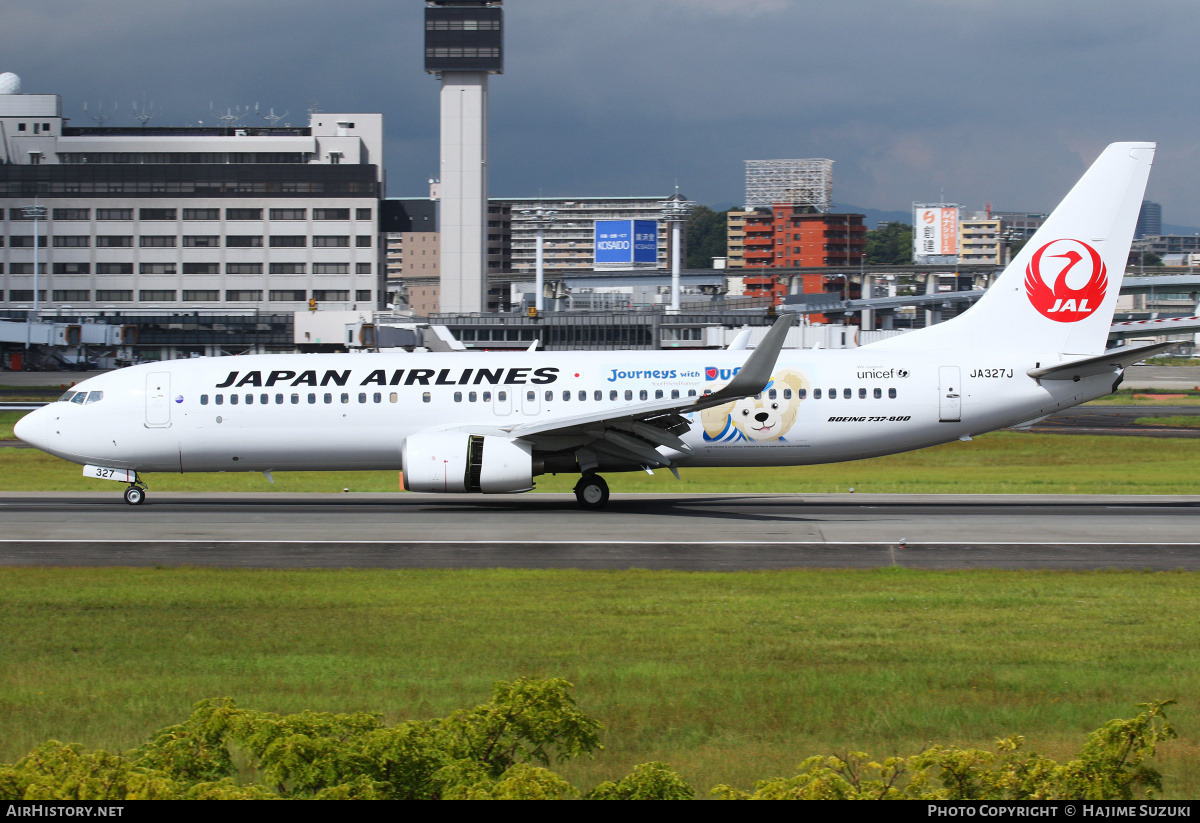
(1059, 293)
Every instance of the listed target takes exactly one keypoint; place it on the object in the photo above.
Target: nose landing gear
(135, 494)
(591, 492)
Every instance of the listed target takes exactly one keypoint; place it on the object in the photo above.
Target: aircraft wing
(634, 432)
(1113, 359)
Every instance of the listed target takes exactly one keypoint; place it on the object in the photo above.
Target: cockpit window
(95, 397)
(80, 397)
(66, 398)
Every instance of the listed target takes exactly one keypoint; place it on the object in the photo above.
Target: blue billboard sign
(645, 242)
(626, 244)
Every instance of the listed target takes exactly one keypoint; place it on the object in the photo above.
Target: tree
(707, 237)
(890, 245)
(502, 750)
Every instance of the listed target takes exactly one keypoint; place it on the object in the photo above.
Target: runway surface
(698, 532)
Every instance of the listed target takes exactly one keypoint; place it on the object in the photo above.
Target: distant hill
(1171, 228)
(873, 216)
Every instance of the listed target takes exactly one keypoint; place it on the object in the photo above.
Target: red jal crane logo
(1066, 280)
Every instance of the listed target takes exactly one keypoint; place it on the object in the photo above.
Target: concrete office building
(182, 218)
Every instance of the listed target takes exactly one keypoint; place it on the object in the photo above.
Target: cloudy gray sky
(1000, 102)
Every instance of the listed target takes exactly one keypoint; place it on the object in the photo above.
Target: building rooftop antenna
(273, 118)
(233, 115)
(144, 114)
(99, 116)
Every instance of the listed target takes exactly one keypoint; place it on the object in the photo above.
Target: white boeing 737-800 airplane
(492, 422)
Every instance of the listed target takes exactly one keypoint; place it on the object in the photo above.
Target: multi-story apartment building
(793, 236)
(189, 218)
(979, 240)
(735, 238)
(788, 236)
(1164, 244)
(569, 242)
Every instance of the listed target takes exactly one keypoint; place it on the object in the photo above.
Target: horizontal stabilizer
(1110, 361)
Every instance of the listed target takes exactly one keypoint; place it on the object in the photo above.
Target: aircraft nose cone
(32, 428)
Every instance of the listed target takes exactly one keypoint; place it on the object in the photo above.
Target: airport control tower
(464, 43)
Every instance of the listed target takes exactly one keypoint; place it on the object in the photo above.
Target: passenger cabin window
(846, 394)
(612, 395)
(426, 397)
(204, 400)
(892, 394)
(473, 397)
(862, 394)
(220, 398)
(233, 399)
(487, 397)
(643, 394)
(566, 394)
(328, 398)
(582, 395)
(772, 394)
(878, 394)
(787, 394)
(393, 397)
(816, 394)
(629, 394)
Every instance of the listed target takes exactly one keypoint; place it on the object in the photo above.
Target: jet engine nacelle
(458, 462)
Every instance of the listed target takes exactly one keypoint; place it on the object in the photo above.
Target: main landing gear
(135, 494)
(591, 492)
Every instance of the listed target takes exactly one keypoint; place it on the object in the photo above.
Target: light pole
(541, 219)
(675, 211)
(34, 213)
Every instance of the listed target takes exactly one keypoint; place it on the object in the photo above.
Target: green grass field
(1157, 397)
(730, 677)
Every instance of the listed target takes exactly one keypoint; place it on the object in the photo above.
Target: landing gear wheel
(591, 492)
(135, 495)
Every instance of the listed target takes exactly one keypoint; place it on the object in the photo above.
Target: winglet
(754, 376)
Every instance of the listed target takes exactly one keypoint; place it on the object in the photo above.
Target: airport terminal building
(227, 218)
